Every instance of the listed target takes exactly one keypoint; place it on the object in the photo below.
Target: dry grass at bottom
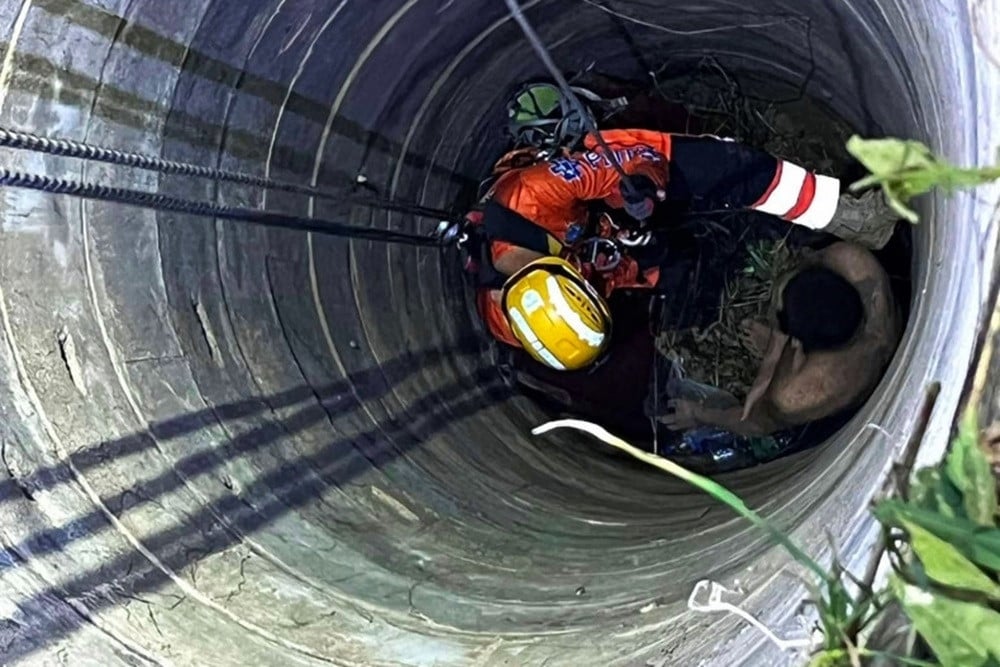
(718, 354)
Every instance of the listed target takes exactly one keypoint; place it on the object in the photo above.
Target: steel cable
(74, 149)
(159, 202)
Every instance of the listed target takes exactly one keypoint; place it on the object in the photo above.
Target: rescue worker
(834, 326)
(535, 214)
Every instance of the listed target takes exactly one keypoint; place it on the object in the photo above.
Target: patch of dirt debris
(717, 354)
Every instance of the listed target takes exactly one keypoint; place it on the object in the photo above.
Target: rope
(75, 149)
(158, 202)
(546, 58)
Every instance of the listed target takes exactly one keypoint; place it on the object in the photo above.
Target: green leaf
(932, 490)
(865, 183)
(896, 203)
(833, 658)
(960, 633)
(969, 470)
(978, 544)
(887, 157)
(967, 178)
(906, 169)
(944, 564)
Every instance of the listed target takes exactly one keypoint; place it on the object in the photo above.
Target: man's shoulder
(827, 383)
(853, 261)
(846, 253)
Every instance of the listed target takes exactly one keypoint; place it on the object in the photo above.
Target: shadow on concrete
(46, 80)
(224, 522)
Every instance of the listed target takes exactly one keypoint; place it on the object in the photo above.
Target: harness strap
(495, 222)
(503, 224)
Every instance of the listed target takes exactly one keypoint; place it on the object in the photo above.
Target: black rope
(546, 58)
(75, 149)
(151, 200)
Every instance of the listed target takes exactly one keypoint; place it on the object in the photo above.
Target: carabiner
(595, 247)
(636, 239)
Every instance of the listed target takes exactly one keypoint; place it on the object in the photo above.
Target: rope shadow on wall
(223, 523)
(47, 81)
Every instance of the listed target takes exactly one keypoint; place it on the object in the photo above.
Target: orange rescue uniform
(554, 195)
(714, 172)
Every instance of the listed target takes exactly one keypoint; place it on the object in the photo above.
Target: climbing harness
(604, 255)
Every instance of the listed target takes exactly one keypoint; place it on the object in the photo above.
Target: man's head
(820, 309)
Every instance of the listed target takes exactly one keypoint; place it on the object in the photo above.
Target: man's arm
(688, 414)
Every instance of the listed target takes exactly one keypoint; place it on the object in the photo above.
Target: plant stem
(710, 487)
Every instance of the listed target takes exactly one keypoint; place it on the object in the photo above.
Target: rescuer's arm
(514, 258)
(713, 174)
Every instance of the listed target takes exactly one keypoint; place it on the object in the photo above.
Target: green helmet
(540, 115)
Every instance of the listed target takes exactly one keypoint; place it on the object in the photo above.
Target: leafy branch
(841, 614)
(905, 169)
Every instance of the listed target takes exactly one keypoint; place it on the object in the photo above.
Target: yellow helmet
(558, 317)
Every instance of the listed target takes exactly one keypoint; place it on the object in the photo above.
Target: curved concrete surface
(225, 445)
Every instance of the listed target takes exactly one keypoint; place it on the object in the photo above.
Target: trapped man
(834, 326)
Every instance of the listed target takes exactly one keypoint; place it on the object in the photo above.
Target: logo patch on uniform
(574, 232)
(568, 168)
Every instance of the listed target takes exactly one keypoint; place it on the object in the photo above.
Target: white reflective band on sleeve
(571, 317)
(785, 196)
(536, 345)
(824, 204)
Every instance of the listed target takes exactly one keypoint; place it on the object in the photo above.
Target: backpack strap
(495, 222)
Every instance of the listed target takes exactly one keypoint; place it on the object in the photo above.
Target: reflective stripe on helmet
(532, 301)
(571, 317)
(532, 339)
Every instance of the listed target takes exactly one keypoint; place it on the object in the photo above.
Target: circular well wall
(228, 445)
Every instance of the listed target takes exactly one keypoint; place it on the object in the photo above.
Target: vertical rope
(546, 58)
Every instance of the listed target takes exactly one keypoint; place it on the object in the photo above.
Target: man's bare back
(795, 386)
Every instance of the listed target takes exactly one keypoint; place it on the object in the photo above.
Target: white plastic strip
(571, 317)
(716, 603)
(824, 204)
(548, 358)
(786, 195)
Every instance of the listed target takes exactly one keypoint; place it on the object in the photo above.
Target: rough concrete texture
(225, 445)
